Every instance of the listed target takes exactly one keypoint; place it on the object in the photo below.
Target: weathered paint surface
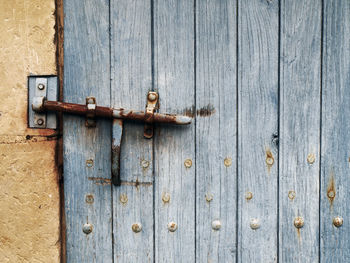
(29, 195)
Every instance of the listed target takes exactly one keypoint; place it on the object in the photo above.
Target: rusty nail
(216, 225)
(166, 197)
(41, 86)
(338, 221)
(299, 222)
(40, 121)
(87, 228)
(254, 223)
(269, 161)
(172, 226)
(89, 198)
(209, 197)
(89, 163)
(188, 163)
(291, 195)
(228, 161)
(145, 164)
(248, 195)
(152, 96)
(137, 227)
(331, 194)
(311, 158)
(123, 198)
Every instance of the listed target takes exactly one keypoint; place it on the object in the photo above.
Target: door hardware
(42, 104)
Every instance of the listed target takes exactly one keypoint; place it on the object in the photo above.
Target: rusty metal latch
(40, 105)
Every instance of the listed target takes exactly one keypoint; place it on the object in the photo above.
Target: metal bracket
(152, 104)
(44, 87)
(90, 115)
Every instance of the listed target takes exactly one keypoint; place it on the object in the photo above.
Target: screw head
(254, 223)
(172, 226)
(188, 163)
(41, 86)
(145, 164)
(216, 225)
(331, 194)
(228, 161)
(87, 228)
(338, 221)
(40, 121)
(89, 198)
(209, 197)
(152, 96)
(123, 198)
(299, 222)
(269, 161)
(311, 158)
(166, 197)
(137, 227)
(248, 195)
(89, 163)
(291, 195)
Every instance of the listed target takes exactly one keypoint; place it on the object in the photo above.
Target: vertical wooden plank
(300, 129)
(335, 145)
(87, 151)
(257, 130)
(216, 180)
(131, 79)
(174, 80)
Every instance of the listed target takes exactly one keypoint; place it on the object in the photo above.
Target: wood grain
(87, 151)
(300, 67)
(131, 73)
(174, 80)
(335, 245)
(257, 127)
(216, 102)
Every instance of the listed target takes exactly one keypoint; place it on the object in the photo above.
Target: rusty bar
(106, 112)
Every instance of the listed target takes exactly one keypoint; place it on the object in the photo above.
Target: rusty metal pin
(87, 228)
(216, 225)
(311, 158)
(172, 226)
(254, 223)
(137, 227)
(299, 222)
(188, 163)
(337, 221)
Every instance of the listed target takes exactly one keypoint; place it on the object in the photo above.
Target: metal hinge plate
(42, 86)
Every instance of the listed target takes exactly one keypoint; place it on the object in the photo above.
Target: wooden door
(261, 175)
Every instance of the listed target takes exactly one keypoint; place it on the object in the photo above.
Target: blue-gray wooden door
(262, 173)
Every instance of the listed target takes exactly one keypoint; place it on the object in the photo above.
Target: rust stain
(137, 183)
(100, 180)
(269, 159)
(331, 191)
(190, 112)
(202, 112)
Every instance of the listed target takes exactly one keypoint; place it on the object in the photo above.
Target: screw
(87, 228)
(209, 197)
(269, 161)
(254, 223)
(228, 161)
(248, 195)
(172, 226)
(40, 122)
(137, 227)
(89, 163)
(145, 164)
(216, 225)
(90, 101)
(188, 163)
(123, 198)
(299, 222)
(166, 197)
(338, 221)
(152, 96)
(41, 86)
(331, 194)
(291, 195)
(89, 198)
(311, 158)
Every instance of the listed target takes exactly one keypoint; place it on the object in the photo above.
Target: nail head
(172, 226)
(299, 222)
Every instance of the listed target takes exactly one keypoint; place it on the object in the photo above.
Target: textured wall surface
(29, 193)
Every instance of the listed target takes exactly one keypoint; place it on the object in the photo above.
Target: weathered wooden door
(261, 175)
